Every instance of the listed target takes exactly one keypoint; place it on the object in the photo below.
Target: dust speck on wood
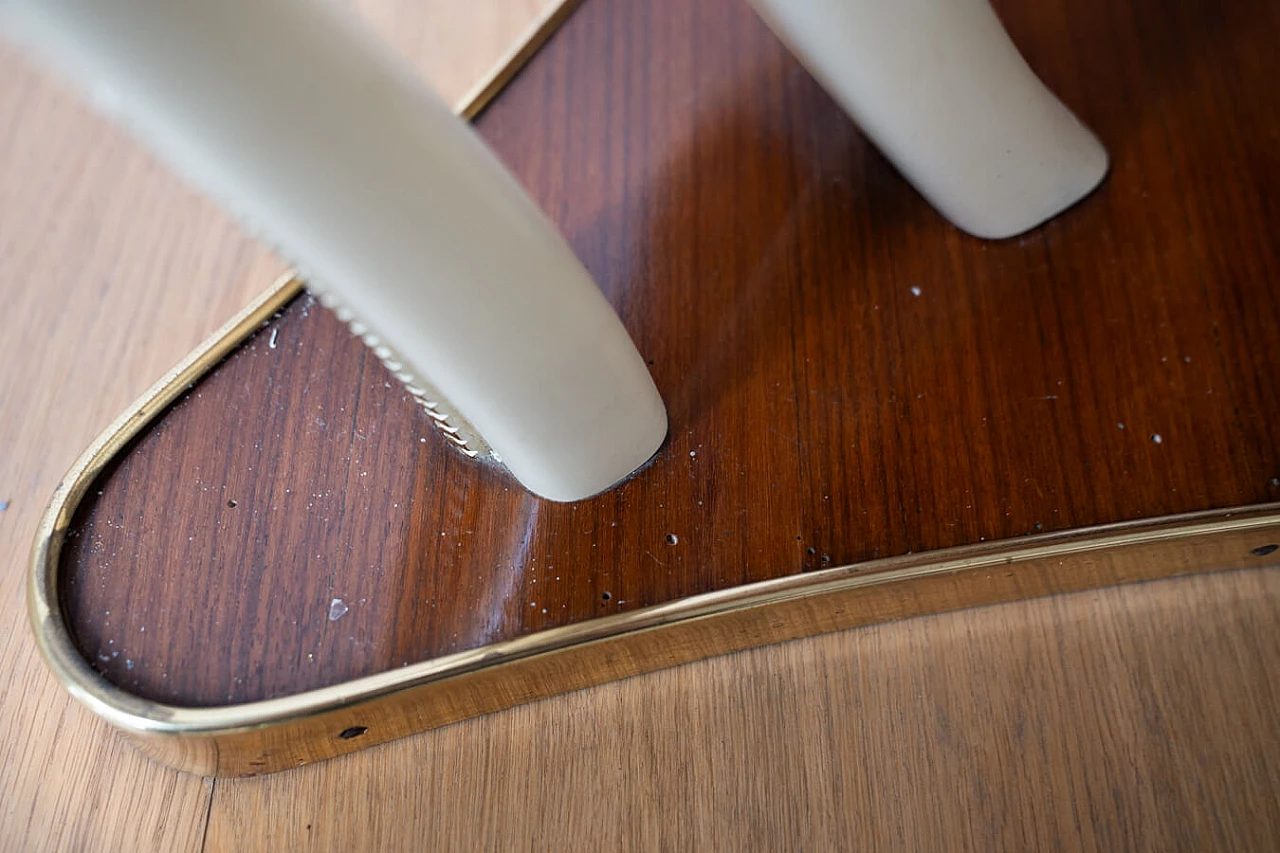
(337, 609)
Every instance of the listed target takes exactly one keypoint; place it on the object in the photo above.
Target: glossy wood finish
(848, 377)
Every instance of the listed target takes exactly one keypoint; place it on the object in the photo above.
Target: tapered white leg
(939, 87)
(329, 147)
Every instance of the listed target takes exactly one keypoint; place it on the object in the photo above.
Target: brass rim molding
(277, 734)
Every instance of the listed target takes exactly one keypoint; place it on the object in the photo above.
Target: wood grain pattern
(1169, 687)
(848, 376)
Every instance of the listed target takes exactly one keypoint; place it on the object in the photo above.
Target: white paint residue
(271, 344)
(915, 291)
(337, 609)
(1156, 438)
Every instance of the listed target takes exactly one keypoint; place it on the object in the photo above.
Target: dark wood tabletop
(848, 375)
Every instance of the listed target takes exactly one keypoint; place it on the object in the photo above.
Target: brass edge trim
(505, 69)
(281, 734)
